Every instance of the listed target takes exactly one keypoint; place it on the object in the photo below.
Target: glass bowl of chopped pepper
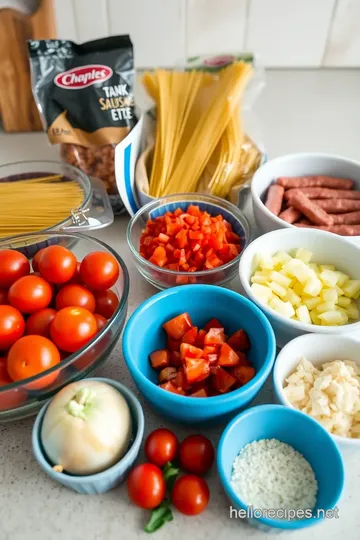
(188, 238)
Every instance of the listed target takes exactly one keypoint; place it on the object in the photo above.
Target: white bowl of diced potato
(333, 398)
(304, 280)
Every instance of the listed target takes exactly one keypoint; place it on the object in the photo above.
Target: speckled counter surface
(303, 110)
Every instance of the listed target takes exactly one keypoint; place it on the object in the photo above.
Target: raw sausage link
(351, 218)
(343, 230)
(274, 199)
(314, 181)
(290, 215)
(323, 193)
(311, 210)
(338, 206)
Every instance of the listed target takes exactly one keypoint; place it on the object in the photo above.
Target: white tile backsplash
(285, 33)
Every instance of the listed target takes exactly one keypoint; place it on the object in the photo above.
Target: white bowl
(296, 165)
(317, 350)
(327, 249)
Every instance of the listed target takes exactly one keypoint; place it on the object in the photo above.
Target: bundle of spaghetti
(36, 204)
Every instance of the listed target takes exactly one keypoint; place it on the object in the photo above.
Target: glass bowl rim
(211, 199)
(21, 384)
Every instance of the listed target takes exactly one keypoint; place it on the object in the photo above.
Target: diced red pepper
(194, 210)
(160, 359)
(244, 374)
(170, 387)
(239, 341)
(228, 356)
(181, 238)
(182, 280)
(190, 351)
(215, 336)
(213, 323)
(196, 369)
(200, 393)
(190, 336)
(177, 326)
(223, 380)
(163, 238)
(159, 257)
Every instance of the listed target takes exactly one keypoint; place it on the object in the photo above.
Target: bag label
(82, 77)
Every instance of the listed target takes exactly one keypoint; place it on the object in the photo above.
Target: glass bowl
(163, 278)
(16, 400)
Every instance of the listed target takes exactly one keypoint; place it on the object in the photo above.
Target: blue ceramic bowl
(144, 334)
(110, 478)
(302, 433)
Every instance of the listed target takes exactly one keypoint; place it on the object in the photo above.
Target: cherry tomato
(196, 454)
(3, 297)
(99, 270)
(12, 326)
(146, 486)
(72, 328)
(75, 296)
(57, 264)
(190, 494)
(32, 355)
(38, 323)
(100, 321)
(13, 265)
(30, 293)
(9, 399)
(106, 303)
(161, 446)
(76, 279)
(36, 259)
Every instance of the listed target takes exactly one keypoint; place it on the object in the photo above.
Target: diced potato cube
(329, 295)
(298, 289)
(313, 286)
(351, 288)
(329, 278)
(352, 311)
(265, 261)
(325, 306)
(338, 290)
(315, 267)
(315, 317)
(262, 293)
(327, 267)
(280, 279)
(342, 278)
(283, 308)
(304, 255)
(344, 314)
(281, 257)
(277, 289)
(292, 297)
(343, 301)
(311, 303)
(303, 315)
(331, 317)
(259, 279)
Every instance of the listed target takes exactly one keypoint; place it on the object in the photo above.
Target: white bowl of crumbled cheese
(320, 376)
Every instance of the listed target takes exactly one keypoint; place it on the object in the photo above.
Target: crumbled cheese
(330, 394)
(269, 474)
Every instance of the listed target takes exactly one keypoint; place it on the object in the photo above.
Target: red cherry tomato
(100, 321)
(196, 454)
(190, 495)
(30, 293)
(161, 446)
(99, 270)
(57, 264)
(9, 399)
(3, 297)
(106, 303)
(32, 355)
(76, 279)
(12, 326)
(72, 328)
(146, 486)
(13, 265)
(75, 296)
(36, 259)
(38, 323)
(4, 376)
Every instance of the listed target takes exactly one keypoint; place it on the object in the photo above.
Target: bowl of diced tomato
(61, 312)
(186, 239)
(198, 354)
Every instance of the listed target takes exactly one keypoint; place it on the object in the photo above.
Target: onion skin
(87, 428)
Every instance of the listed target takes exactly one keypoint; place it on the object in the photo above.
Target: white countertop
(299, 111)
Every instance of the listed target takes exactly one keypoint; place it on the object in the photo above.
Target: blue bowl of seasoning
(103, 481)
(144, 334)
(303, 434)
